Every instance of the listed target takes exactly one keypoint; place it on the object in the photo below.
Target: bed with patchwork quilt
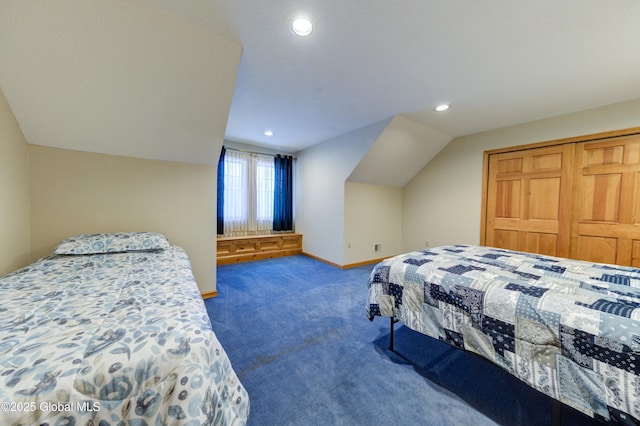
(111, 329)
(568, 328)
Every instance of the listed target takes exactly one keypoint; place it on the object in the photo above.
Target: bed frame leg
(392, 322)
(556, 413)
(391, 334)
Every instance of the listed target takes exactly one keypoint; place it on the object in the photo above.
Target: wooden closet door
(605, 223)
(529, 200)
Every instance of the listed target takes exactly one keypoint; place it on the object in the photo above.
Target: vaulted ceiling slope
(159, 78)
(403, 148)
(117, 77)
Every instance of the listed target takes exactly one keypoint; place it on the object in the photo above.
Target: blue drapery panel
(283, 193)
(221, 192)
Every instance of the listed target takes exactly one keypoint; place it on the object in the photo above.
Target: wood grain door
(528, 200)
(605, 224)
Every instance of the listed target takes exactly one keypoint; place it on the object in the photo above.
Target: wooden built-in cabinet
(576, 198)
(256, 247)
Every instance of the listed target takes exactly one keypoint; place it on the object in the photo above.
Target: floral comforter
(568, 328)
(111, 338)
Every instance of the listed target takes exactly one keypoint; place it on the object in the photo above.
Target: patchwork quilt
(568, 328)
(112, 338)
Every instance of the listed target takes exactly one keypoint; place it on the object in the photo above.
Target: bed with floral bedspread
(568, 328)
(111, 329)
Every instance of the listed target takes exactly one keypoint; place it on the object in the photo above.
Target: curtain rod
(255, 152)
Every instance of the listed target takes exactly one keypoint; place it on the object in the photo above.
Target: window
(264, 189)
(248, 193)
(236, 181)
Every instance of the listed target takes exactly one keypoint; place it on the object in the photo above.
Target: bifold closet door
(528, 201)
(605, 223)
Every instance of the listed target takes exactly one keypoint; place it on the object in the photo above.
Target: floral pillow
(112, 243)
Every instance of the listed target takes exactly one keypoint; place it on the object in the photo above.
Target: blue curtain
(221, 192)
(283, 193)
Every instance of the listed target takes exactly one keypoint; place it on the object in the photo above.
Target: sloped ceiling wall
(116, 77)
(130, 78)
(399, 153)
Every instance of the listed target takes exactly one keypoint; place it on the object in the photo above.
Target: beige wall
(74, 192)
(321, 173)
(113, 77)
(442, 203)
(14, 192)
(372, 215)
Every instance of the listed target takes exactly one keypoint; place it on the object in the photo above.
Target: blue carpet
(298, 337)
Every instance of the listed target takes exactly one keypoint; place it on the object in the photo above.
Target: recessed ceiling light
(442, 107)
(268, 132)
(301, 26)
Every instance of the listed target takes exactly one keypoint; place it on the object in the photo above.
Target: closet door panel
(542, 243)
(507, 199)
(504, 238)
(596, 249)
(544, 198)
(600, 198)
(605, 224)
(635, 254)
(636, 206)
(529, 200)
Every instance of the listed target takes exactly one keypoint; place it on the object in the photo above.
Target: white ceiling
(497, 62)
(137, 77)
